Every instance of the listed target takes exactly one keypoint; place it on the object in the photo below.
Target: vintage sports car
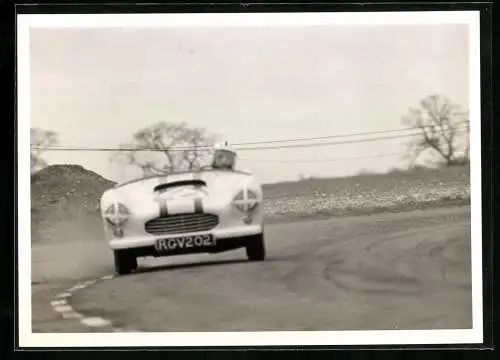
(206, 211)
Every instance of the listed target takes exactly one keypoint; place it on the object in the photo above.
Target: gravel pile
(60, 186)
(63, 203)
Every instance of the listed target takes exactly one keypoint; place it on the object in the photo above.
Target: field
(368, 194)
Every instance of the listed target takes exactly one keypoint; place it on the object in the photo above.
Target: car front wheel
(256, 249)
(125, 263)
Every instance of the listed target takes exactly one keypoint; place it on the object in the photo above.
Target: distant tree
(363, 172)
(174, 146)
(40, 140)
(394, 170)
(442, 126)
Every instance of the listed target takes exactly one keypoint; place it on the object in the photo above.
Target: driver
(224, 157)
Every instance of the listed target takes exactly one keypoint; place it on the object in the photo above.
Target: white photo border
(391, 337)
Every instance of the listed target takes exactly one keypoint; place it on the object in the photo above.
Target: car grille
(182, 223)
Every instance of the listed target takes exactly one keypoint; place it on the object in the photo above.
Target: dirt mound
(63, 203)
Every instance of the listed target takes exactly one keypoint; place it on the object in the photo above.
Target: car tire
(256, 249)
(124, 262)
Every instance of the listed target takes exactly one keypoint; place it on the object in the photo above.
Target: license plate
(185, 242)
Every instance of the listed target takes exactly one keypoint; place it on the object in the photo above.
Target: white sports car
(207, 211)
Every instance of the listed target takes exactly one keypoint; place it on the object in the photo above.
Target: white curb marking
(77, 287)
(95, 322)
(63, 308)
(72, 315)
(60, 305)
(63, 295)
(58, 302)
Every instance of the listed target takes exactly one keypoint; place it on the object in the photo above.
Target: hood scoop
(174, 184)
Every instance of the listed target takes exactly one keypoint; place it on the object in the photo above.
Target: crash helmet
(224, 156)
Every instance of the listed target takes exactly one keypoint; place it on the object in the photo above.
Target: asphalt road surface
(381, 272)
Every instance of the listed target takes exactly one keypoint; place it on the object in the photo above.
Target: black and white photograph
(249, 179)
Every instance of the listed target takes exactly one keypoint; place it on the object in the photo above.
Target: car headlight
(246, 201)
(117, 214)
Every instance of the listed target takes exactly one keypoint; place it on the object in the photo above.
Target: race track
(390, 271)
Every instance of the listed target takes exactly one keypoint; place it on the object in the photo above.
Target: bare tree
(40, 140)
(174, 146)
(442, 130)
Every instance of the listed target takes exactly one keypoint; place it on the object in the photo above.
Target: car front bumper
(228, 235)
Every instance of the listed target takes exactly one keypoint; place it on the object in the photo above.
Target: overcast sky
(95, 87)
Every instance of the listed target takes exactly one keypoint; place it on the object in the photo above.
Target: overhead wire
(322, 160)
(372, 132)
(134, 149)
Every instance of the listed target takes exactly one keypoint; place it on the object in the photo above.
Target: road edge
(60, 304)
